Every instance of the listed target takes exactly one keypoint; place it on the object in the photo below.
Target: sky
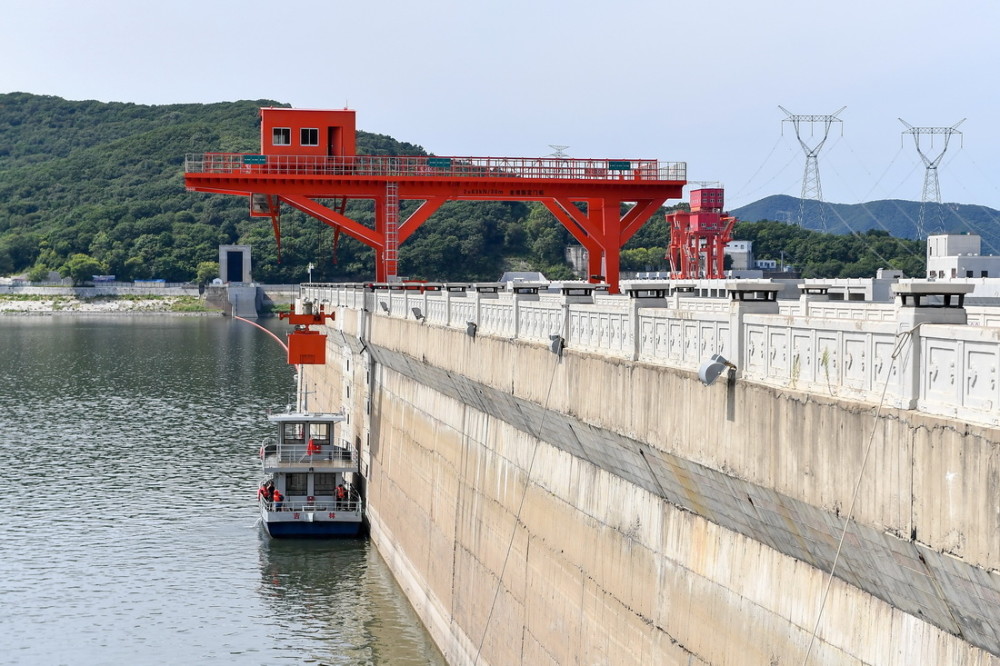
(699, 82)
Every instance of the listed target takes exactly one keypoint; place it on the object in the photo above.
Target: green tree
(38, 273)
(645, 259)
(207, 271)
(81, 268)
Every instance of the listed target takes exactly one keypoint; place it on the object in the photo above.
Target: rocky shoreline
(62, 304)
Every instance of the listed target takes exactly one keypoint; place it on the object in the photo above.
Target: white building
(741, 252)
(951, 256)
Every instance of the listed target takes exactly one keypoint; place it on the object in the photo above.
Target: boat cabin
(307, 464)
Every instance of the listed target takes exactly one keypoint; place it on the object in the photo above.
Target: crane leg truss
(698, 237)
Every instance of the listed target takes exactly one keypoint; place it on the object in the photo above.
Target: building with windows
(951, 256)
(741, 254)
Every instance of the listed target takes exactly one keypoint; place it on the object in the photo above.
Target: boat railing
(322, 454)
(352, 505)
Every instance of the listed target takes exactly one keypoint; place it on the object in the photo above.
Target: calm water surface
(130, 536)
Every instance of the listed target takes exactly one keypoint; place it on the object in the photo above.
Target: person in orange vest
(341, 496)
(313, 447)
(265, 491)
(277, 497)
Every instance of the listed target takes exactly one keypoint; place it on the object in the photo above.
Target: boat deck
(293, 456)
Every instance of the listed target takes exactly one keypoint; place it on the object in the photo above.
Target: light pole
(311, 267)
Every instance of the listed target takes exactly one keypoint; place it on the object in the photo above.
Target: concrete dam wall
(587, 508)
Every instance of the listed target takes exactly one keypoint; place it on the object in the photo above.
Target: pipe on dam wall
(590, 509)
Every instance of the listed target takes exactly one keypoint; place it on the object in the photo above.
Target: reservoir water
(129, 533)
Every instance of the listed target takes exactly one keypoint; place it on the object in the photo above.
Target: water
(129, 533)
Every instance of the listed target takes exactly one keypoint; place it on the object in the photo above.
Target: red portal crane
(307, 161)
(698, 238)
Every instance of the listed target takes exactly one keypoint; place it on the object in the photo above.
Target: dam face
(601, 505)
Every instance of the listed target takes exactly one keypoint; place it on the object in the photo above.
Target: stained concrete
(589, 510)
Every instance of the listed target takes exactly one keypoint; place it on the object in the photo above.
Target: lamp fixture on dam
(712, 368)
(557, 344)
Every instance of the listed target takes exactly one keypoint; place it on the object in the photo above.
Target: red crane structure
(698, 238)
(307, 161)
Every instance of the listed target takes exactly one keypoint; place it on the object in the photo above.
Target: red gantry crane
(698, 238)
(307, 161)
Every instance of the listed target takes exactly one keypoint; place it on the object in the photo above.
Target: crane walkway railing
(422, 167)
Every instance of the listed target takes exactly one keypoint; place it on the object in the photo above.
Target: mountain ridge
(899, 217)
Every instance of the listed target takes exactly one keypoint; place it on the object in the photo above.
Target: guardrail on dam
(597, 503)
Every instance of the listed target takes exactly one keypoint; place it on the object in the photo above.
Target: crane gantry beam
(308, 158)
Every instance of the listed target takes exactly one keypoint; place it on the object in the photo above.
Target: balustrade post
(523, 291)
(747, 297)
(573, 292)
(812, 292)
(484, 290)
(920, 303)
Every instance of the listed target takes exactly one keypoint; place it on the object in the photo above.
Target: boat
(310, 489)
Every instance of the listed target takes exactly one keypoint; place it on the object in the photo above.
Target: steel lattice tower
(932, 189)
(811, 188)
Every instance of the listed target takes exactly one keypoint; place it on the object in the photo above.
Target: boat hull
(304, 530)
(311, 523)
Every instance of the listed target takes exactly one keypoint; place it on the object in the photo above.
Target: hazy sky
(692, 81)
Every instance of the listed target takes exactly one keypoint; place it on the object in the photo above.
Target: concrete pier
(601, 505)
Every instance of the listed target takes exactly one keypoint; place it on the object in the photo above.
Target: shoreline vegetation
(45, 304)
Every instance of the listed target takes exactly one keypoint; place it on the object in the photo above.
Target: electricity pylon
(932, 188)
(811, 188)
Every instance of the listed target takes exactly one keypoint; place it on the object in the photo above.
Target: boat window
(294, 432)
(319, 432)
(325, 484)
(296, 484)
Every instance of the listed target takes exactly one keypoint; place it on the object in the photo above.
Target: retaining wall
(594, 509)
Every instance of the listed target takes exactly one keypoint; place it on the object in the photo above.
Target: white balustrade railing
(847, 349)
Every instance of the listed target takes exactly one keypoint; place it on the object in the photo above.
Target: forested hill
(100, 185)
(897, 217)
(106, 180)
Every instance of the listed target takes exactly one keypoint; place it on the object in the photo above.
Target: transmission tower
(932, 189)
(811, 188)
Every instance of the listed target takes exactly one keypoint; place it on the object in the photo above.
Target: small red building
(286, 131)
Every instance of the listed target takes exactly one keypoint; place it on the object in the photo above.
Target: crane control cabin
(308, 161)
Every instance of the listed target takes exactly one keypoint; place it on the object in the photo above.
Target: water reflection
(130, 525)
(338, 592)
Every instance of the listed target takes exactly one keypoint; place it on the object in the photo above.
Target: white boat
(315, 476)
